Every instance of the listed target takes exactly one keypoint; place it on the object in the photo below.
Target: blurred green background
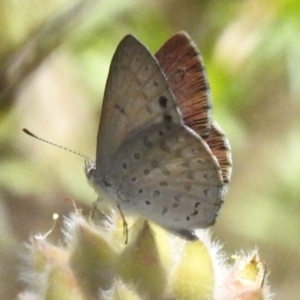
(54, 59)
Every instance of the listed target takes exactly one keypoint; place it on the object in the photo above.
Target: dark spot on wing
(146, 142)
(154, 164)
(177, 198)
(163, 102)
(167, 118)
(120, 109)
(106, 182)
(156, 193)
(205, 191)
(164, 211)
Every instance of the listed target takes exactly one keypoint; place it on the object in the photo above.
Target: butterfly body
(148, 161)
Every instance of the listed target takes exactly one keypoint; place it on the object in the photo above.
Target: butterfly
(159, 154)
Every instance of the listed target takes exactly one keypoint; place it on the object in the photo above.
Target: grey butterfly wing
(136, 95)
(169, 175)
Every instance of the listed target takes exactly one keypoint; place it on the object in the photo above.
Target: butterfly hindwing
(167, 174)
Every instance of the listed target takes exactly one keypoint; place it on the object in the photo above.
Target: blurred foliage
(54, 59)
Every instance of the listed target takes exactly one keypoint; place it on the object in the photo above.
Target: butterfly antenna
(53, 144)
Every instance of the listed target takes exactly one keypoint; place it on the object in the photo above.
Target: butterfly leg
(94, 209)
(97, 213)
(125, 225)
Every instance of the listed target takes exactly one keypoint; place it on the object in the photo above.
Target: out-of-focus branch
(42, 41)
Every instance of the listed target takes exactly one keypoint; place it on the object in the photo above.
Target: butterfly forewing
(136, 95)
(182, 64)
